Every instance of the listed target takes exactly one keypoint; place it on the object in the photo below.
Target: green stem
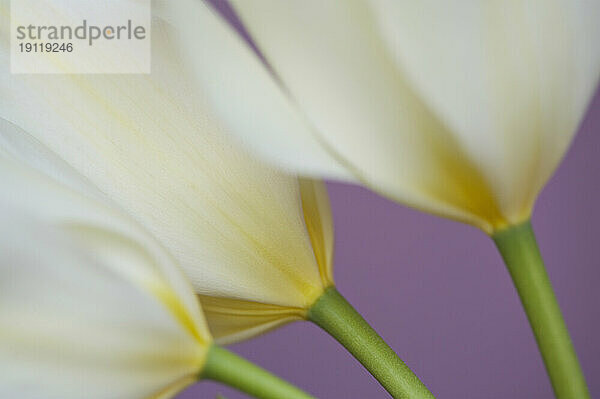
(230, 369)
(526, 267)
(335, 315)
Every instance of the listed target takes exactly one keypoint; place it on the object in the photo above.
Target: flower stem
(336, 316)
(230, 369)
(526, 267)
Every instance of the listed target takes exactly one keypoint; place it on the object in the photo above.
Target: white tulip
(253, 241)
(463, 109)
(90, 306)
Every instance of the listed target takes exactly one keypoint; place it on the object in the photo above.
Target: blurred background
(438, 293)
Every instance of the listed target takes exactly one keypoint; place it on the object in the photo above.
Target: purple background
(438, 293)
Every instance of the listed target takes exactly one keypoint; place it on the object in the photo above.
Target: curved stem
(526, 267)
(335, 315)
(230, 369)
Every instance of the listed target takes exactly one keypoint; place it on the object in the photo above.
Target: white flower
(90, 305)
(255, 243)
(461, 108)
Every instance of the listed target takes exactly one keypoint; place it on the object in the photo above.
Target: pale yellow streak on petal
(141, 362)
(319, 224)
(460, 183)
(232, 320)
(176, 308)
(153, 283)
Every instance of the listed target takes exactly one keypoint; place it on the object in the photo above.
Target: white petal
(319, 222)
(89, 312)
(332, 61)
(460, 110)
(244, 94)
(233, 320)
(510, 78)
(149, 144)
(22, 148)
(90, 218)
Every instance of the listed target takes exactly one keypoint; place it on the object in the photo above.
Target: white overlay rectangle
(80, 36)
